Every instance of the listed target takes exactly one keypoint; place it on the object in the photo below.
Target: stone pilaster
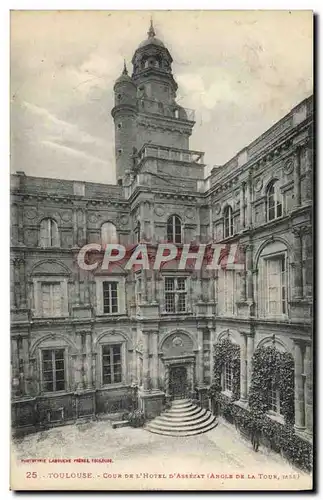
(308, 389)
(242, 205)
(15, 367)
(145, 360)
(249, 270)
(250, 351)
(154, 359)
(25, 356)
(297, 265)
(297, 177)
(299, 387)
(88, 345)
(249, 200)
(243, 369)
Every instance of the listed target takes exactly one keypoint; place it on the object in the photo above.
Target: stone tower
(145, 111)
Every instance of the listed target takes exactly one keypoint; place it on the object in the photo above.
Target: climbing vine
(226, 352)
(272, 368)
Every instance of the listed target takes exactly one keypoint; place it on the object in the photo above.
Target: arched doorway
(178, 383)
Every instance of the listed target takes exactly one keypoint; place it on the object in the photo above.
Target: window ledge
(276, 417)
(119, 385)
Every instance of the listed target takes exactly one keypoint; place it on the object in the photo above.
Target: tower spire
(125, 71)
(151, 32)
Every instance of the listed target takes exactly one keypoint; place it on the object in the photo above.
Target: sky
(240, 70)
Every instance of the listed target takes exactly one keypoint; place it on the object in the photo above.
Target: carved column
(154, 359)
(145, 360)
(15, 366)
(297, 177)
(308, 181)
(13, 301)
(250, 351)
(308, 389)
(20, 217)
(249, 270)
(199, 366)
(75, 242)
(25, 355)
(17, 288)
(243, 368)
(144, 286)
(89, 379)
(249, 200)
(297, 264)
(22, 281)
(242, 203)
(299, 386)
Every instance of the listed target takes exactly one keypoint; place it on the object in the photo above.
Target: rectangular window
(110, 297)
(111, 364)
(53, 370)
(229, 289)
(227, 377)
(51, 299)
(175, 295)
(276, 289)
(274, 400)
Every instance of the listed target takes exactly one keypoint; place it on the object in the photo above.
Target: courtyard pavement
(218, 459)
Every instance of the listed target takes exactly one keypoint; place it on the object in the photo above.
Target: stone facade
(74, 351)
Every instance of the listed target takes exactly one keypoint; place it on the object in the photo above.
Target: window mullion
(111, 365)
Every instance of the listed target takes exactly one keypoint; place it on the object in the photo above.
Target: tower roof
(124, 77)
(151, 40)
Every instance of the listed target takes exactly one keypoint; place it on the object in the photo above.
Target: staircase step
(181, 403)
(213, 423)
(181, 424)
(182, 409)
(186, 418)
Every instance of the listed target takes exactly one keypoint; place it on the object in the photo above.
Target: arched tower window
(174, 229)
(48, 234)
(228, 221)
(274, 201)
(109, 233)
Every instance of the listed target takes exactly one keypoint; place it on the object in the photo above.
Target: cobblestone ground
(221, 451)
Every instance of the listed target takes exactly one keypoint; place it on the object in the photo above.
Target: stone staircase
(183, 419)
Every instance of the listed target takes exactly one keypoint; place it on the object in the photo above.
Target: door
(178, 382)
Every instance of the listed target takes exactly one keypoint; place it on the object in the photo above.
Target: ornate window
(48, 235)
(228, 221)
(53, 370)
(109, 233)
(174, 229)
(274, 201)
(110, 297)
(111, 364)
(175, 295)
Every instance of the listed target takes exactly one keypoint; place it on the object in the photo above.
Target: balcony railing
(173, 154)
(164, 109)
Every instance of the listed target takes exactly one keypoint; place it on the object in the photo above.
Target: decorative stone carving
(159, 210)
(66, 216)
(289, 166)
(258, 184)
(93, 218)
(31, 213)
(123, 221)
(190, 213)
(177, 342)
(217, 208)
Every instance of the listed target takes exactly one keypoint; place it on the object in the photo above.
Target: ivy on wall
(226, 352)
(272, 368)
